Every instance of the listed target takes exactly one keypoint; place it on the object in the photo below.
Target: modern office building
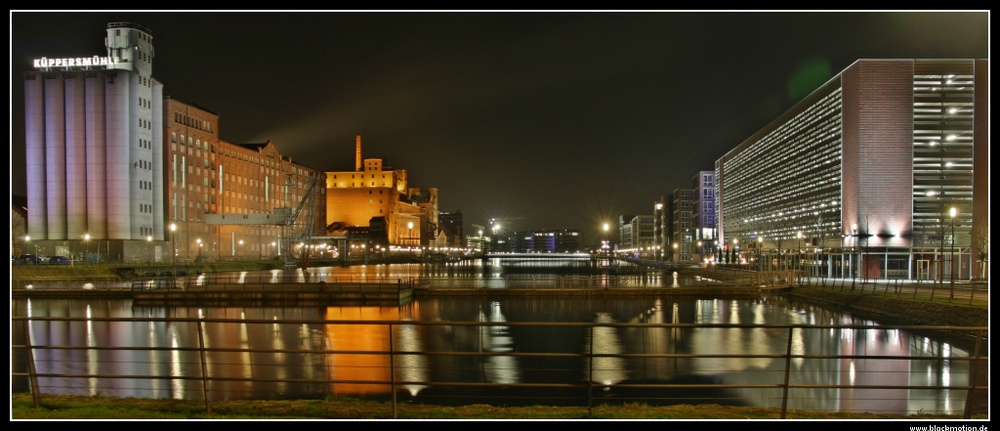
(682, 242)
(662, 222)
(703, 217)
(881, 173)
(94, 150)
(545, 241)
(636, 236)
(569, 240)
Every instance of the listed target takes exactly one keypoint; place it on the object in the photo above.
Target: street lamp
(199, 249)
(676, 257)
(854, 233)
(951, 266)
(173, 249)
(799, 236)
(241, 248)
(149, 251)
(736, 249)
(86, 245)
(27, 239)
(409, 232)
(760, 244)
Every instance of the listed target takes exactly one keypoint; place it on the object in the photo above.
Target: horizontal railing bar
(506, 354)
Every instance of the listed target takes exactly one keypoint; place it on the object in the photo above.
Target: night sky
(544, 120)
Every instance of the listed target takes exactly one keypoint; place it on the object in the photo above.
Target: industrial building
(94, 150)
(375, 193)
(104, 181)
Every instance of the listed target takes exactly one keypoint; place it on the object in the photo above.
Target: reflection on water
(605, 370)
(497, 339)
(349, 353)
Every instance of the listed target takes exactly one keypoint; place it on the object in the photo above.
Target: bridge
(538, 256)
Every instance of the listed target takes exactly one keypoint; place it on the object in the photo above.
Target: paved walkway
(963, 290)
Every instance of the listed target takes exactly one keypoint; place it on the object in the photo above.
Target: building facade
(94, 147)
(859, 178)
(452, 226)
(375, 190)
(703, 218)
(682, 247)
(117, 171)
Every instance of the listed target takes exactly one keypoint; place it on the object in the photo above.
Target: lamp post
(86, 245)
(951, 265)
(241, 249)
(199, 249)
(736, 249)
(173, 249)
(854, 233)
(409, 233)
(676, 257)
(799, 253)
(149, 251)
(760, 244)
(605, 246)
(27, 239)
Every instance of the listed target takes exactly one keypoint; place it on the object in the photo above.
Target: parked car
(58, 260)
(28, 259)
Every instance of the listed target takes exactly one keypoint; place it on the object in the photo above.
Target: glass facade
(943, 95)
(786, 181)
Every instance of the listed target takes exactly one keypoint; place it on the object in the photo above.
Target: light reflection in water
(92, 358)
(497, 339)
(501, 339)
(176, 367)
(605, 370)
(411, 368)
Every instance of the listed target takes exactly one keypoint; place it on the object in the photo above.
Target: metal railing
(209, 367)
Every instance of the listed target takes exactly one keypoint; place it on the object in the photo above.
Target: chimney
(357, 154)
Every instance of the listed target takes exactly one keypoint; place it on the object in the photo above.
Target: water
(285, 375)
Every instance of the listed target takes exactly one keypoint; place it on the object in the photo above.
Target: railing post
(973, 367)
(204, 365)
(590, 376)
(36, 394)
(392, 370)
(788, 368)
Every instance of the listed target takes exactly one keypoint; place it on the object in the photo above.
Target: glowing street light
(86, 245)
(736, 249)
(173, 247)
(798, 236)
(149, 240)
(760, 244)
(953, 212)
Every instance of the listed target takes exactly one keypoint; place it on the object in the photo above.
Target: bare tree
(864, 233)
(981, 245)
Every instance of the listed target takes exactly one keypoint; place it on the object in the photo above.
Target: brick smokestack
(357, 154)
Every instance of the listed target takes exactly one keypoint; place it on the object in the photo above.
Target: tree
(981, 245)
